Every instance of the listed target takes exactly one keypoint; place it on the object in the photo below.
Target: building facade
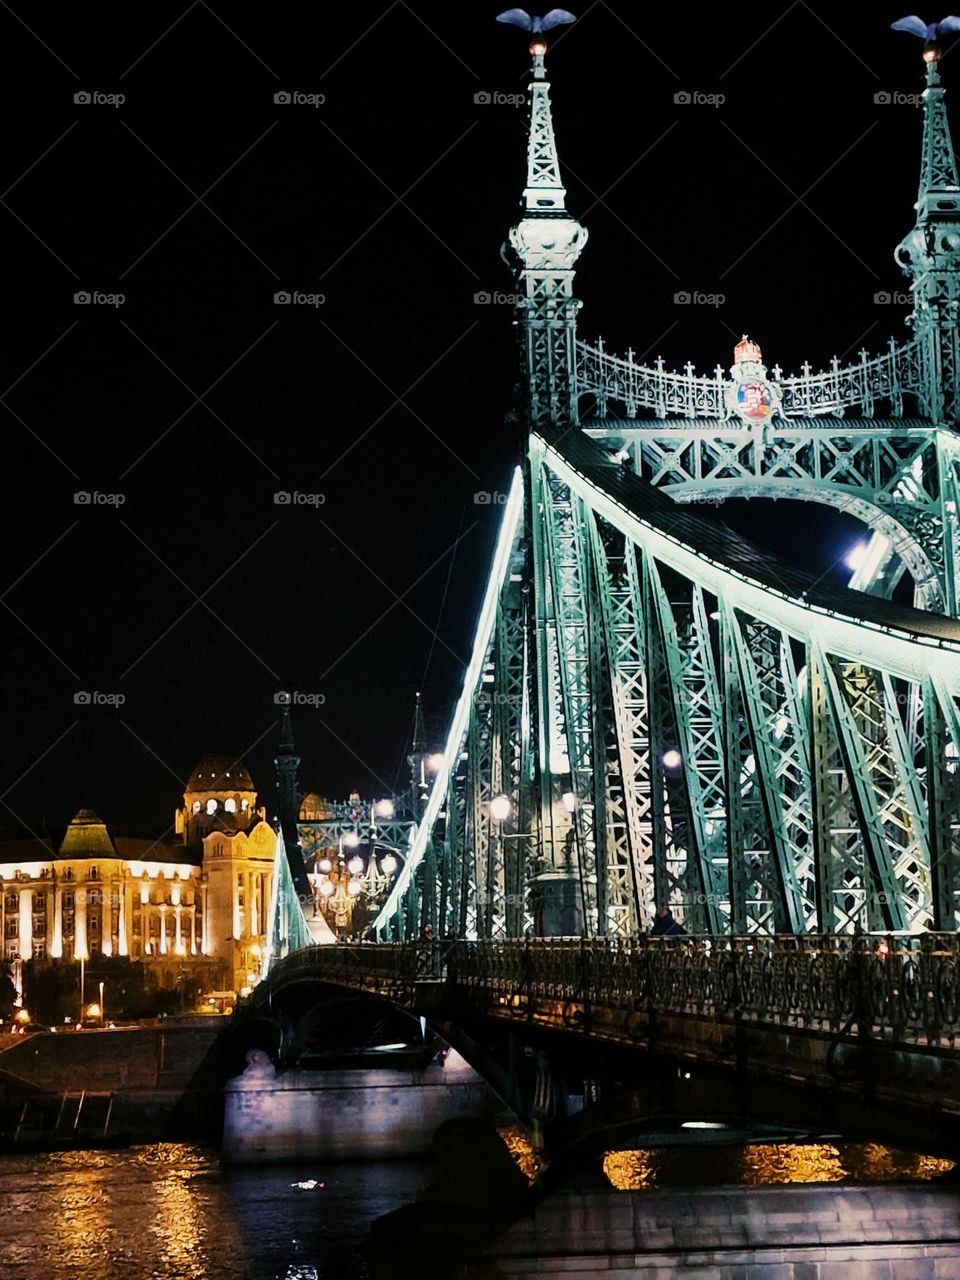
(194, 906)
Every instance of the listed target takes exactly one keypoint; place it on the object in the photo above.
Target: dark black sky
(391, 199)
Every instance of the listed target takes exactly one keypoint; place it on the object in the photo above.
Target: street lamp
(500, 808)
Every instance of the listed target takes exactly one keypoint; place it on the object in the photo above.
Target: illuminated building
(191, 906)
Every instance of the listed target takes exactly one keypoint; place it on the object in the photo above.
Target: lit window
(211, 806)
(197, 806)
(244, 805)
(230, 805)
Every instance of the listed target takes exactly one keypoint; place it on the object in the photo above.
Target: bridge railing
(901, 988)
(904, 989)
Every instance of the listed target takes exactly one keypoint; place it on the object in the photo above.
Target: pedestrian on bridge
(664, 925)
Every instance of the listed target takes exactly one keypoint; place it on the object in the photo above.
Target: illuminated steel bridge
(655, 711)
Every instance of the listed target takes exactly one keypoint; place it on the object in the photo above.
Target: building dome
(87, 837)
(220, 773)
(315, 808)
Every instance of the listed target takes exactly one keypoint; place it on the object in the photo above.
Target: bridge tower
(546, 244)
(930, 254)
(287, 763)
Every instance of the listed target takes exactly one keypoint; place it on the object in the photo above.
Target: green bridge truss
(654, 710)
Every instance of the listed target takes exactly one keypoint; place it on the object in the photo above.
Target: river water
(169, 1212)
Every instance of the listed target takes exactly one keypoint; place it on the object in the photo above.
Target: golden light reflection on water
(179, 1227)
(767, 1164)
(521, 1150)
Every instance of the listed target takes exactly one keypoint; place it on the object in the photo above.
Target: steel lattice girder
(900, 479)
(817, 781)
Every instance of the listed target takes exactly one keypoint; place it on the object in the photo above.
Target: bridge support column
(562, 911)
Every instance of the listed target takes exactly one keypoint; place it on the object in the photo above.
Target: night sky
(199, 398)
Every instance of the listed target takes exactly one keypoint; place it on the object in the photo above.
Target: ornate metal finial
(746, 350)
(538, 46)
(928, 33)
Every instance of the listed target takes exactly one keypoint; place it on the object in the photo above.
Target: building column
(163, 928)
(204, 921)
(26, 924)
(178, 935)
(253, 898)
(107, 889)
(80, 951)
(193, 928)
(123, 945)
(235, 900)
(56, 937)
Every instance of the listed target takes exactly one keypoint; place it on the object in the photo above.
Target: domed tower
(219, 796)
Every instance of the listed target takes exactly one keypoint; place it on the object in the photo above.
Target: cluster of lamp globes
(355, 864)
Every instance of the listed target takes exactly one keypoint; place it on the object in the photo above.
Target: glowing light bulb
(435, 762)
(351, 840)
(355, 866)
(354, 888)
(388, 865)
(500, 808)
(326, 888)
(672, 759)
(324, 865)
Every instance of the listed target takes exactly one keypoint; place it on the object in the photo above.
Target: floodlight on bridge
(500, 808)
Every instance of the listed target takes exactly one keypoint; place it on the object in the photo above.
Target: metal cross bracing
(696, 724)
(655, 712)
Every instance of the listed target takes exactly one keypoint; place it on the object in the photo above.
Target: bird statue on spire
(519, 18)
(928, 32)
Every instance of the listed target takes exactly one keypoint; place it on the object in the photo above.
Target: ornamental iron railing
(894, 988)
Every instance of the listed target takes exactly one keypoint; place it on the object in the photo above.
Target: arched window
(244, 805)
(211, 806)
(230, 805)
(197, 806)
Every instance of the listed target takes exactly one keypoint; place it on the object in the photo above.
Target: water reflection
(767, 1164)
(169, 1212)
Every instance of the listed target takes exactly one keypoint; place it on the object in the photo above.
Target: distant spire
(287, 764)
(417, 759)
(419, 732)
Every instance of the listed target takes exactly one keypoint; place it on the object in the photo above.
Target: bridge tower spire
(930, 253)
(287, 762)
(546, 243)
(417, 760)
